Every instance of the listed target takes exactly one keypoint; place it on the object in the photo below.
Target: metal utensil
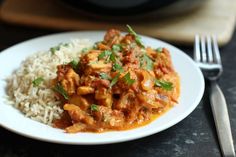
(207, 57)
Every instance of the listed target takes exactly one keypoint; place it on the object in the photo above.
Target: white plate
(192, 88)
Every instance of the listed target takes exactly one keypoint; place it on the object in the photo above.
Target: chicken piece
(86, 60)
(101, 66)
(163, 64)
(70, 81)
(92, 55)
(96, 67)
(151, 53)
(102, 46)
(87, 80)
(68, 78)
(107, 101)
(174, 93)
(147, 81)
(79, 101)
(110, 118)
(77, 127)
(84, 90)
(130, 57)
(125, 100)
(128, 39)
(149, 99)
(99, 83)
(104, 97)
(61, 71)
(78, 115)
(112, 37)
(101, 93)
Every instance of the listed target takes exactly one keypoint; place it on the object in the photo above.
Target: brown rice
(39, 102)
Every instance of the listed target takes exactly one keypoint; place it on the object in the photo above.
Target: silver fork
(207, 57)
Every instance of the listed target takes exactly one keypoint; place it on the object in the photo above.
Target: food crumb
(188, 141)
(194, 134)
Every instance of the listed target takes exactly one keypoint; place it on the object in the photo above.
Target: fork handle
(221, 118)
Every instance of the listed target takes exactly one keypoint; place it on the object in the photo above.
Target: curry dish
(117, 84)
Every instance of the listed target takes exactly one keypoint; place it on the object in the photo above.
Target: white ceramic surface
(192, 88)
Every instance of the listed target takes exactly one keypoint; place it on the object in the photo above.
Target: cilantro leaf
(65, 45)
(94, 107)
(127, 79)
(131, 31)
(54, 49)
(137, 37)
(74, 64)
(58, 88)
(147, 61)
(37, 81)
(104, 54)
(115, 80)
(138, 41)
(104, 76)
(84, 50)
(159, 49)
(164, 84)
(112, 57)
(117, 67)
(116, 47)
(57, 48)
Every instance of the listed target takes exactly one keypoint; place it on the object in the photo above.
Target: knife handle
(221, 118)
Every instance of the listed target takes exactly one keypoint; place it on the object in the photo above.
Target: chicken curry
(117, 84)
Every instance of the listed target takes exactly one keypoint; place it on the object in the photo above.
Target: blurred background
(176, 21)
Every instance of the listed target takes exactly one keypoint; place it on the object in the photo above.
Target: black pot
(119, 7)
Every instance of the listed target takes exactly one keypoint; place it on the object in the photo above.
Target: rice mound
(39, 102)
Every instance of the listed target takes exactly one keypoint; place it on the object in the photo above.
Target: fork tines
(206, 49)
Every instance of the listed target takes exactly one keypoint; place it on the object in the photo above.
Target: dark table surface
(193, 137)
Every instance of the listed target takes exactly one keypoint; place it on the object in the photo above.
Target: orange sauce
(65, 119)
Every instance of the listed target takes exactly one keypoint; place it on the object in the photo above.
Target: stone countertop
(192, 137)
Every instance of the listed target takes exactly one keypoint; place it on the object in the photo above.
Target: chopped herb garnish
(104, 76)
(116, 47)
(57, 48)
(65, 45)
(74, 64)
(37, 81)
(104, 54)
(159, 49)
(131, 31)
(139, 42)
(84, 50)
(117, 67)
(94, 107)
(137, 37)
(147, 61)
(164, 84)
(115, 80)
(58, 88)
(54, 49)
(112, 57)
(127, 79)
